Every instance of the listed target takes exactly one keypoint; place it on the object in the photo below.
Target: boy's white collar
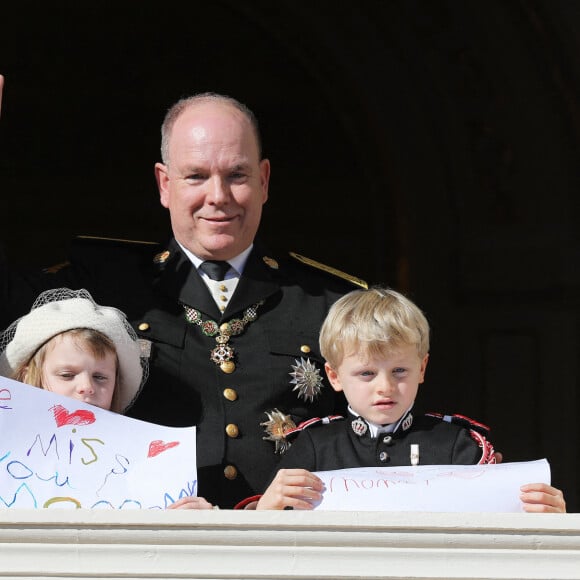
(375, 429)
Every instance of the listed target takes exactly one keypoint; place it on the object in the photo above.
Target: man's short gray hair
(183, 104)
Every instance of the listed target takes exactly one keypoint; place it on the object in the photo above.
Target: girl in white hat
(71, 346)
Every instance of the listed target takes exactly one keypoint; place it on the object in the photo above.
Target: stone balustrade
(281, 545)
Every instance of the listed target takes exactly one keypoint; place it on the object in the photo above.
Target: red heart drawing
(5, 395)
(80, 417)
(158, 446)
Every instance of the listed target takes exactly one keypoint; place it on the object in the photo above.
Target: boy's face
(71, 371)
(380, 389)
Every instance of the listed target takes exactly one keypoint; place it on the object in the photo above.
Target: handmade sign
(58, 452)
(431, 488)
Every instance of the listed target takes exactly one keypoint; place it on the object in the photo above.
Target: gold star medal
(276, 428)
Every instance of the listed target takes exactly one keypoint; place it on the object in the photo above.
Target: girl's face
(74, 372)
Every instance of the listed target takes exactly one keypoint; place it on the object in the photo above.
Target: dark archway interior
(430, 146)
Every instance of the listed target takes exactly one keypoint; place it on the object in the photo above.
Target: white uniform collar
(223, 290)
(238, 263)
(375, 429)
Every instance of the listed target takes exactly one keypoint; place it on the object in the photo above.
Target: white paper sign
(431, 488)
(58, 452)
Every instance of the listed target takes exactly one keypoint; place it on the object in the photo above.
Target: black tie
(214, 269)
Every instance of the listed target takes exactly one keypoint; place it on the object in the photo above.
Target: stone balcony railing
(268, 545)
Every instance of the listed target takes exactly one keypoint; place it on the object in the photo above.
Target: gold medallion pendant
(223, 354)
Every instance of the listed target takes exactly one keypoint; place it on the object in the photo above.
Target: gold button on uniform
(232, 430)
(228, 367)
(305, 348)
(143, 326)
(230, 394)
(230, 472)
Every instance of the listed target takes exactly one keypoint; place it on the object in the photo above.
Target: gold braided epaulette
(329, 270)
(56, 268)
(116, 240)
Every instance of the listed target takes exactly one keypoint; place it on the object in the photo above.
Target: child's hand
(542, 498)
(191, 503)
(292, 488)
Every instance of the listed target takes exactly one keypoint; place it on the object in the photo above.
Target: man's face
(214, 184)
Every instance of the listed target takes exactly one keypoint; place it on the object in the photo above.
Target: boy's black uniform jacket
(337, 446)
(150, 283)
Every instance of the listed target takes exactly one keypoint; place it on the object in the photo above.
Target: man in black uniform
(231, 331)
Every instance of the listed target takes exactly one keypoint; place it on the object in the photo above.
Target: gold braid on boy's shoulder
(329, 269)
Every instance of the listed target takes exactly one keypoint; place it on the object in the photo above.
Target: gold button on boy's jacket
(230, 472)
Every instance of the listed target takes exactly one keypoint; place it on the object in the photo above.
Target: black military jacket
(337, 446)
(151, 284)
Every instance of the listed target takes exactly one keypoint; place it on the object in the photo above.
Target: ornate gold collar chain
(223, 354)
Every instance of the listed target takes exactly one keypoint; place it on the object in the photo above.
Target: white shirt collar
(238, 263)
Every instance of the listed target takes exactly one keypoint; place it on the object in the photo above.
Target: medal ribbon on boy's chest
(223, 354)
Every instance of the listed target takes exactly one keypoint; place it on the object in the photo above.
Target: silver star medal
(307, 379)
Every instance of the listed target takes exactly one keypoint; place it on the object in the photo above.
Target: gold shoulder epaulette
(118, 240)
(55, 268)
(329, 270)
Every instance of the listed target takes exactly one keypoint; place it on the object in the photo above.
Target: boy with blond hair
(376, 346)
